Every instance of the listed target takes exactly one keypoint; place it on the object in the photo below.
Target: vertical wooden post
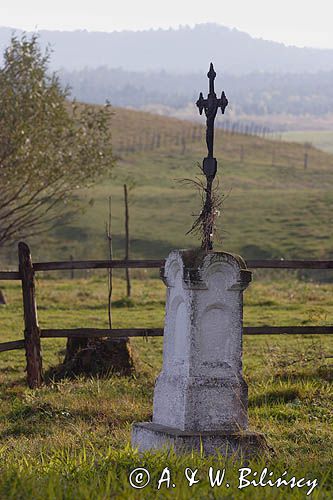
(110, 274)
(242, 154)
(183, 144)
(128, 280)
(31, 331)
(71, 258)
(306, 158)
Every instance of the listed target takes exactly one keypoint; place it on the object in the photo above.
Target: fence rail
(10, 346)
(154, 264)
(116, 333)
(33, 333)
(290, 264)
(97, 264)
(10, 275)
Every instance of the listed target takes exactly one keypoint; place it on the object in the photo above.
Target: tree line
(253, 94)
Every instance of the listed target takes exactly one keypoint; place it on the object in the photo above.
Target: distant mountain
(183, 50)
(257, 94)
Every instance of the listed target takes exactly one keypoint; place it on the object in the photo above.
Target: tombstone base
(244, 444)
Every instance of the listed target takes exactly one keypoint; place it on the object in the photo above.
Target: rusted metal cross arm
(204, 104)
(210, 105)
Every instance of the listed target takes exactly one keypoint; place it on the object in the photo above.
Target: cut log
(95, 356)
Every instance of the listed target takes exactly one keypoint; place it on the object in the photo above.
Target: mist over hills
(266, 82)
(183, 50)
(253, 94)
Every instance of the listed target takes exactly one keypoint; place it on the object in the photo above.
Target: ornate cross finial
(210, 106)
(211, 75)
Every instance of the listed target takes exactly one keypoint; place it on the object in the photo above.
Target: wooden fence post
(127, 244)
(306, 158)
(71, 258)
(31, 331)
(110, 271)
(242, 154)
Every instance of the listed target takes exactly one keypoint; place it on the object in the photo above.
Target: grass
(272, 206)
(268, 211)
(70, 439)
(322, 139)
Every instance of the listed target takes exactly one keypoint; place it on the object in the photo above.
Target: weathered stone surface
(200, 390)
(201, 386)
(150, 436)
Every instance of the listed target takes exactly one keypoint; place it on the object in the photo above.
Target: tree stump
(96, 357)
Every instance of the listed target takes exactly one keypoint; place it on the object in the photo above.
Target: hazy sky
(295, 22)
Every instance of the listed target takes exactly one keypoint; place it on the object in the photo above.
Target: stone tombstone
(200, 397)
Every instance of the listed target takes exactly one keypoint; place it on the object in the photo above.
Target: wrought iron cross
(210, 106)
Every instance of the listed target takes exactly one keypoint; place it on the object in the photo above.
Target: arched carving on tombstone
(215, 321)
(177, 329)
(173, 269)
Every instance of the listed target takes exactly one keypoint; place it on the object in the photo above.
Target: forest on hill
(268, 83)
(253, 94)
(182, 50)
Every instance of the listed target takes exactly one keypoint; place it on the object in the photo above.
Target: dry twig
(211, 200)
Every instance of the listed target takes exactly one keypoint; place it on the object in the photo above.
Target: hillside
(178, 50)
(268, 84)
(275, 100)
(322, 139)
(273, 207)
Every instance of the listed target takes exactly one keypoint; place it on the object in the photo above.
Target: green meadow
(272, 207)
(71, 438)
(322, 139)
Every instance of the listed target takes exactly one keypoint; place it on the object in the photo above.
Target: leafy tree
(49, 147)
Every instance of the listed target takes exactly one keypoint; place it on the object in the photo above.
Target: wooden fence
(33, 333)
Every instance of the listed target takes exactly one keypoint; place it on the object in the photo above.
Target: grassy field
(322, 139)
(272, 206)
(70, 439)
